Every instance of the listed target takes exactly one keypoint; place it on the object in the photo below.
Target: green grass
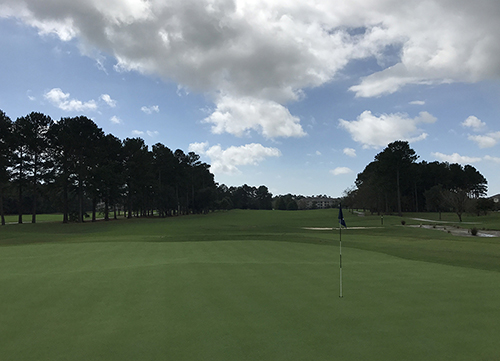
(42, 218)
(246, 285)
(11, 219)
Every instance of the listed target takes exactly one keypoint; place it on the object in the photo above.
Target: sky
(295, 95)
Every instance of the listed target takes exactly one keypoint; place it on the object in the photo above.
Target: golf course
(250, 285)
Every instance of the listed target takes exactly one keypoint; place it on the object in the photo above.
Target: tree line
(395, 182)
(72, 166)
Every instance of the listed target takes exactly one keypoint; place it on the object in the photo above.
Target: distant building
(318, 202)
(496, 198)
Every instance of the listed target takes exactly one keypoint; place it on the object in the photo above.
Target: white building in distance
(317, 203)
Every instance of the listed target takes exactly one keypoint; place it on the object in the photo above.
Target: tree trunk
(106, 209)
(33, 215)
(20, 203)
(416, 198)
(129, 205)
(20, 194)
(80, 199)
(65, 200)
(35, 180)
(94, 206)
(399, 194)
(2, 215)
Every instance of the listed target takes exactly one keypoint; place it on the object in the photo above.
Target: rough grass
(246, 285)
(40, 218)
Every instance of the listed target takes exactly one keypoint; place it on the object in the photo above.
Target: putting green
(239, 300)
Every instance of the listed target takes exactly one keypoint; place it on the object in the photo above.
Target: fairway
(240, 289)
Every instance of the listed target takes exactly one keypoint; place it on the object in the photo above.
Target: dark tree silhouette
(5, 159)
(393, 161)
(394, 181)
(77, 143)
(32, 132)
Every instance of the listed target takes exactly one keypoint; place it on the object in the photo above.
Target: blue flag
(341, 217)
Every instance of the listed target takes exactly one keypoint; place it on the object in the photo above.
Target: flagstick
(340, 249)
(341, 223)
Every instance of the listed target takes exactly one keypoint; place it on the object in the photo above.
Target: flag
(341, 217)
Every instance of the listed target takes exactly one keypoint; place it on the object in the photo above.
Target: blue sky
(298, 96)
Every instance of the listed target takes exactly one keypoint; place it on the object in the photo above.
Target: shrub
(473, 231)
(403, 222)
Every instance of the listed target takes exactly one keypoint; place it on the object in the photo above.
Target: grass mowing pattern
(241, 286)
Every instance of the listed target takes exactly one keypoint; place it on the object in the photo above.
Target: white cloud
(270, 51)
(492, 159)
(486, 141)
(150, 110)
(115, 120)
(474, 123)
(62, 100)
(376, 132)
(455, 158)
(441, 41)
(350, 152)
(30, 97)
(149, 133)
(107, 99)
(417, 102)
(198, 148)
(238, 116)
(340, 171)
(226, 161)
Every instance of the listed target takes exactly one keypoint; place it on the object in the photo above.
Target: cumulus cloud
(486, 141)
(455, 158)
(350, 152)
(62, 100)
(340, 171)
(238, 116)
(226, 161)
(115, 120)
(107, 99)
(270, 51)
(150, 110)
(198, 148)
(377, 131)
(442, 41)
(474, 123)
